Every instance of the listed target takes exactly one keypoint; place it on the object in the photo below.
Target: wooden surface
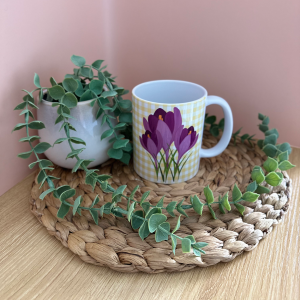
(34, 265)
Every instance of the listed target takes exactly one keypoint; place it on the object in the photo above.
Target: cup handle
(228, 126)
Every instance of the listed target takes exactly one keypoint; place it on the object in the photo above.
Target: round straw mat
(114, 244)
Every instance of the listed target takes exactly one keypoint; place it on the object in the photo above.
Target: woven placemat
(113, 243)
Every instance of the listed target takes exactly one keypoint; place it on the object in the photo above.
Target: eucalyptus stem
(48, 179)
(150, 219)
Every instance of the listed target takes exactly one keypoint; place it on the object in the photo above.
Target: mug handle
(228, 127)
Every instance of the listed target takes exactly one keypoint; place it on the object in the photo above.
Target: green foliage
(155, 220)
(36, 80)
(268, 145)
(252, 186)
(78, 60)
(270, 164)
(197, 205)
(208, 195)
(216, 128)
(262, 190)
(223, 202)
(81, 86)
(285, 165)
(258, 175)
(56, 92)
(41, 147)
(236, 194)
(70, 84)
(273, 179)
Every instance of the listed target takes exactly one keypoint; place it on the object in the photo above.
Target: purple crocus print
(162, 129)
(167, 123)
(185, 141)
(152, 142)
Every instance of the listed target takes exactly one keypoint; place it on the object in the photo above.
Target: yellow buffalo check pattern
(192, 113)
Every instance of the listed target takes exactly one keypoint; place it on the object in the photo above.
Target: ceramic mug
(168, 124)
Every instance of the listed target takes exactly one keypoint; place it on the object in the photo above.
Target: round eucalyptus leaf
(96, 86)
(186, 245)
(285, 165)
(109, 94)
(125, 158)
(52, 81)
(120, 144)
(155, 220)
(25, 155)
(252, 187)
(125, 118)
(78, 61)
(42, 147)
(273, 179)
(285, 147)
(67, 194)
(63, 109)
(161, 234)
(214, 130)
(86, 72)
(257, 175)
(208, 195)
(136, 220)
(101, 76)
(270, 164)
(70, 84)
(263, 127)
(97, 64)
(36, 80)
(270, 150)
(115, 153)
(36, 125)
(240, 208)
(19, 126)
(144, 231)
(210, 119)
(197, 205)
(56, 92)
(271, 139)
(250, 196)
(69, 100)
(79, 91)
(87, 95)
(126, 104)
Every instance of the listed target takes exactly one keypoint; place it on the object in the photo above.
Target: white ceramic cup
(168, 123)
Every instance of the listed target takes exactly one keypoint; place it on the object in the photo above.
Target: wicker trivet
(116, 245)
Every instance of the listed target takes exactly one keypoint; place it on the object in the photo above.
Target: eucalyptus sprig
(216, 128)
(144, 217)
(223, 202)
(244, 137)
(44, 164)
(268, 144)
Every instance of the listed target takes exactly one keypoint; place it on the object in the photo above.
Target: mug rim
(169, 80)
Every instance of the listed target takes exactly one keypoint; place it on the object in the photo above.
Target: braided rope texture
(114, 244)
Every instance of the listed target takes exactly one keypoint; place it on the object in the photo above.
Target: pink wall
(245, 51)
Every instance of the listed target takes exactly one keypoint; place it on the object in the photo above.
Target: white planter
(87, 128)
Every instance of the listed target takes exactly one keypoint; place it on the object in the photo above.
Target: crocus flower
(185, 140)
(152, 142)
(167, 123)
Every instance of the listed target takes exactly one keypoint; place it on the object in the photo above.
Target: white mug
(168, 124)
